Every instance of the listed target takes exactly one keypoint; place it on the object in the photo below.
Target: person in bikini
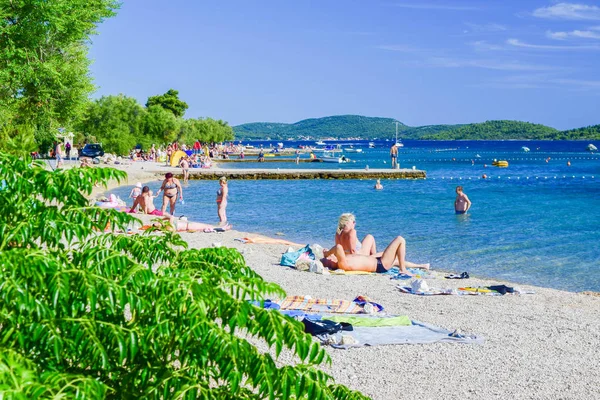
(347, 238)
(337, 258)
(183, 225)
(146, 203)
(170, 186)
(222, 195)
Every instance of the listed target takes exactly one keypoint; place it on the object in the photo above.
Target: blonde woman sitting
(346, 237)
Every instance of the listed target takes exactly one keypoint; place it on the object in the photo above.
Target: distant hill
(495, 130)
(590, 132)
(357, 126)
(339, 126)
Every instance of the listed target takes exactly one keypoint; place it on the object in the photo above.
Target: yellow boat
(500, 163)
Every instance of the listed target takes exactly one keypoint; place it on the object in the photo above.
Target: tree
(44, 69)
(115, 121)
(89, 315)
(205, 130)
(169, 101)
(161, 125)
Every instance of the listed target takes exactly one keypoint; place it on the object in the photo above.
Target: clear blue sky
(421, 62)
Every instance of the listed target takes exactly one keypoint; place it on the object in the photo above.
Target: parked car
(92, 150)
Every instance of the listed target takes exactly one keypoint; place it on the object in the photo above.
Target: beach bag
(289, 259)
(324, 327)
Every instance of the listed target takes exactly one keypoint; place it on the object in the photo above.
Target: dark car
(92, 150)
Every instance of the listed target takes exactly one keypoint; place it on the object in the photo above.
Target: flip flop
(464, 275)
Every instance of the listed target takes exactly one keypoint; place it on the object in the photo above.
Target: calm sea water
(534, 222)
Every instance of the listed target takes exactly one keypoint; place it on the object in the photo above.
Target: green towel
(398, 320)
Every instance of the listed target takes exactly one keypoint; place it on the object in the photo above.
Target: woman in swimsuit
(222, 201)
(170, 187)
(346, 237)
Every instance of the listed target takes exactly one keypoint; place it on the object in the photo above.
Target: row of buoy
(508, 159)
(485, 176)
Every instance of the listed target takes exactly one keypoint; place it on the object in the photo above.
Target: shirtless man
(394, 156)
(146, 203)
(182, 225)
(462, 202)
(336, 258)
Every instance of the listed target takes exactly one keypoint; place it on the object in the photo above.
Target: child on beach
(136, 191)
(462, 202)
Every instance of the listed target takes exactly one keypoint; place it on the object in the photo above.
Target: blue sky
(421, 62)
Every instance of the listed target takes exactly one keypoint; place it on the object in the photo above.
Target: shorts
(157, 212)
(460, 212)
(394, 156)
(380, 268)
(58, 158)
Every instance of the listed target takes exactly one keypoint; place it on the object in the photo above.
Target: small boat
(501, 163)
(590, 147)
(320, 143)
(371, 145)
(280, 145)
(353, 150)
(332, 158)
(525, 149)
(398, 144)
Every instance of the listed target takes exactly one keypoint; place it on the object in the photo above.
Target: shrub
(88, 315)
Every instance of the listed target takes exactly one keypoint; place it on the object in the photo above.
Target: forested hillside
(589, 132)
(338, 126)
(356, 126)
(495, 130)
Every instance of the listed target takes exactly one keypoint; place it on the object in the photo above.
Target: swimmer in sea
(378, 185)
(462, 202)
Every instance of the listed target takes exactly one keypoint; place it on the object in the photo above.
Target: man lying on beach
(337, 258)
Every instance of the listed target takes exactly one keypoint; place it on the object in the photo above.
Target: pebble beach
(543, 345)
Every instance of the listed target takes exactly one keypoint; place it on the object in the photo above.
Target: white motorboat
(591, 147)
(525, 149)
(352, 150)
(371, 145)
(320, 143)
(332, 158)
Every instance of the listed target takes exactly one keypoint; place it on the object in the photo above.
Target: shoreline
(540, 345)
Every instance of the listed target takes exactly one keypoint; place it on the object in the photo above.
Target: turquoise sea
(534, 222)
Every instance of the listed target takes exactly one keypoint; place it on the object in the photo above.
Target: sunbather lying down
(336, 258)
(186, 226)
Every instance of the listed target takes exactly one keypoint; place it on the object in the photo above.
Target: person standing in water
(462, 202)
(222, 194)
(394, 156)
(378, 185)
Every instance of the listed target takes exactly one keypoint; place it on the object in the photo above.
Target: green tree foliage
(44, 74)
(205, 130)
(115, 121)
(589, 132)
(169, 101)
(161, 124)
(495, 130)
(339, 126)
(89, 315)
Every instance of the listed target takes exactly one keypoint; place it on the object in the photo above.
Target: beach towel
(266, 240)
(308, 304)
(289, 259)
(355, 321)
(416, 333)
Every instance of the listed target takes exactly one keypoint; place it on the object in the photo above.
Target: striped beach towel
(320, 305)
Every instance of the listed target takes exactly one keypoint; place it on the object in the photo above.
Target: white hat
(139, 184)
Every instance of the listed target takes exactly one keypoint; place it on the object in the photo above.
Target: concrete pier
(255, 174)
